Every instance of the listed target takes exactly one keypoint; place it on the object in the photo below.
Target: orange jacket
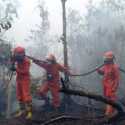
(52, 69)
(110, 78)
(23, 81)
(23, 69)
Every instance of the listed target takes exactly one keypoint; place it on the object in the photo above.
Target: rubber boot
(29, 111)
(21, 110)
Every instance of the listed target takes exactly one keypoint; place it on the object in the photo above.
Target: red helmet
(109, 55)
(19, 50)
(51, 57)
(19, 54)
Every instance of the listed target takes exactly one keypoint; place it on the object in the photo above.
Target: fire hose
(63, 117)
(89, 72)
(82, 74)
(94, 70)
(91, 95)
(104, 120)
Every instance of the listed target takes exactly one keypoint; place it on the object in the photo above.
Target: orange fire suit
(23, 81)
(52, 84)
(110, 82)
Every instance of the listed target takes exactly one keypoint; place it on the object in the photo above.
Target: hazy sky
(29, 17)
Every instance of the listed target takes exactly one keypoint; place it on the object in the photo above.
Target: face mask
(19, 58)
(108, 61)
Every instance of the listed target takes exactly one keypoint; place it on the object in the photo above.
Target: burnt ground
(83, 117)
(74, 114)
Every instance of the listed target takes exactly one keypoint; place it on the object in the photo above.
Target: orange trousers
(109, 110)
(54, 89)
(23, 90)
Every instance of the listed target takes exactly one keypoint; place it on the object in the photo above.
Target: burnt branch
(116, 105)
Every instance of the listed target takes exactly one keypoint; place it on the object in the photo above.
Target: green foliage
(101, 29)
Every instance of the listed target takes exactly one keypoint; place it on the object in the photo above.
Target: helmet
(19, 50)
(109, 57)
(19, 54)
(51, 57)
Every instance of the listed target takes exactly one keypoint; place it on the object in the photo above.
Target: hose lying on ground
(63, 118)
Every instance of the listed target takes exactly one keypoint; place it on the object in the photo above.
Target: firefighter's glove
(100, 72)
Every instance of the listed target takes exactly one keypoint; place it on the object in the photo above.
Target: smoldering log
(116, 105)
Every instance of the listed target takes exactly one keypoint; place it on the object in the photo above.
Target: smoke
(89, 36)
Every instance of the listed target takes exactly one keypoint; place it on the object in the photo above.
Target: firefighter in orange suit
(52, 83)
(21, 64)
(110, 72)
